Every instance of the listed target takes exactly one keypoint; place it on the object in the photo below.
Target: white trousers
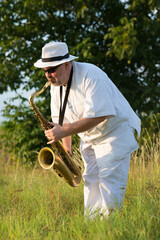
(104, 184)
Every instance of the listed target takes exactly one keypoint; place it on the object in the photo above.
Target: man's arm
(67, 143)
(58, 132)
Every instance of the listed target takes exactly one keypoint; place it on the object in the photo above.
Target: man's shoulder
(84, 65)
(87, 69)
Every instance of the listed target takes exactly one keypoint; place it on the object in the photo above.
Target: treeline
(121, 37)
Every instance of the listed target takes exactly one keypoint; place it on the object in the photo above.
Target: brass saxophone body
(61, 162)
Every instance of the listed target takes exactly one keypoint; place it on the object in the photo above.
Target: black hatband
(52, 59)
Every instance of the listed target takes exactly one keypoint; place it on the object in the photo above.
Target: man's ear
(68, 64)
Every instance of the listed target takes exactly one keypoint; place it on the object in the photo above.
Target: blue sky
(7, 95)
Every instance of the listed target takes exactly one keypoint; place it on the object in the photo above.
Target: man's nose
(49, 75)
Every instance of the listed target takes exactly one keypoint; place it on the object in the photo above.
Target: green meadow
(37, 204)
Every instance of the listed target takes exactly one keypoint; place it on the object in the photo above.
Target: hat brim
(40, 64)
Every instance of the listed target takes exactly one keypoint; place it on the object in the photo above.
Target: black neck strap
(63, 108)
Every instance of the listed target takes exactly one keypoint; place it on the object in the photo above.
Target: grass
(36, 204)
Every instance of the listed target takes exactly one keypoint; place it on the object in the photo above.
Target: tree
(120, 37)
(136, 40)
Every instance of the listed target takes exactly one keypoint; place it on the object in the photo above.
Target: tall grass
(36, 204)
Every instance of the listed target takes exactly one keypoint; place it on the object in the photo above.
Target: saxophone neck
(44, 123)
(36, 93)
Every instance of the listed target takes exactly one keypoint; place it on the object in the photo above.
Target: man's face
(57, 75)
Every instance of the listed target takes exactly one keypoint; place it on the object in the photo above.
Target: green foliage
(150, 130)
(152, 123)
(124, 39)
(21, 134)
(120, 37)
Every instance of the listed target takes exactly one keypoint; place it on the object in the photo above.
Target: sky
(7, 95)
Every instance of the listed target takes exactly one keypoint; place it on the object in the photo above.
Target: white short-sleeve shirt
(93, 94)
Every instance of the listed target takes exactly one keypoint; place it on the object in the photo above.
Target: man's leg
(104, 184)
(92, 195)
(113, 183)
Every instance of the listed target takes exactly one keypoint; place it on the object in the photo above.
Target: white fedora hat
(54, 54)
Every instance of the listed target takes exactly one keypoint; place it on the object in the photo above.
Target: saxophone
(59, 160)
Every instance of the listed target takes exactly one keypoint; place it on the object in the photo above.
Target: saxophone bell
(46, 158)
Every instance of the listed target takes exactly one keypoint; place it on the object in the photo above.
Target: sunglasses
(52, 69)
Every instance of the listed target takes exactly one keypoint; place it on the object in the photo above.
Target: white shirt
(93, 94)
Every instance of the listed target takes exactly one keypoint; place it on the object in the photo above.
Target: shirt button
(69, 105)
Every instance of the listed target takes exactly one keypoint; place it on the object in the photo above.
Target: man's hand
(54, 134)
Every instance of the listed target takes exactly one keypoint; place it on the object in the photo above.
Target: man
(100, 115)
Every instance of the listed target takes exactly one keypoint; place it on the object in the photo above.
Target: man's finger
(52, 124)
(50, 142)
